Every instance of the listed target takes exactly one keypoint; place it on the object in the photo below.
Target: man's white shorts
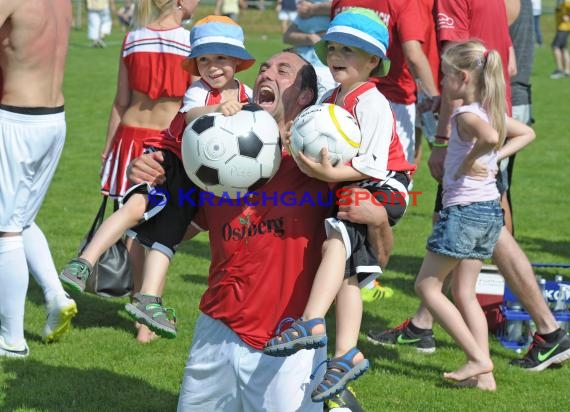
(406, 128)
(225, 374)
(30, 147)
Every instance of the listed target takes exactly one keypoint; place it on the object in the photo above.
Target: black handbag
(111, 276)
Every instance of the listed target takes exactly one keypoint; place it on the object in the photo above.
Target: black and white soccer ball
(231, 155)
(325, 125)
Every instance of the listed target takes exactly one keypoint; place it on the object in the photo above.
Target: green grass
(99, 365)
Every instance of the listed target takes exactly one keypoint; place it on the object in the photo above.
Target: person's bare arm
(296, 37)
(419, 66)
(519, 135)
(147, 168)
(307, 9)
(120, 105)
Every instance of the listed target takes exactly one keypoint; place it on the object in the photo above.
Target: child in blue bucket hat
(354, 48)
(217, 53)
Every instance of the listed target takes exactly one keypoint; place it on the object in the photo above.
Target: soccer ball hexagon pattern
(325, 125)
(231, 155)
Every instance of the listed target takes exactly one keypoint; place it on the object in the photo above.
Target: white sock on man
(40, 262)
(13, 289)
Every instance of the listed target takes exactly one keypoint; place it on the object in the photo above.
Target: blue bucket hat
(360, 28)
(217, 35)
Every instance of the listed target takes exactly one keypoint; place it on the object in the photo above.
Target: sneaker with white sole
(60, 311)
(542, 354)
(15, 351)
(403, 335)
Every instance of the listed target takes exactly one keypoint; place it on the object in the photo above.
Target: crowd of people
(367, 56)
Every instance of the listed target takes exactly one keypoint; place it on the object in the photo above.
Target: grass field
(99, 366)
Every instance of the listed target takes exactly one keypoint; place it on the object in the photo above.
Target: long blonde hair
(486, 64)
(146, 11)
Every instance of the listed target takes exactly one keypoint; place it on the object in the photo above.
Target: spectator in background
(125, 14)
(304, 33)
(229, 8)
(286, 13)
(560, 42)
(99, 21)
(536, 12)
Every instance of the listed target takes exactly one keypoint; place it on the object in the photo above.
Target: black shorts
(172, 206)
(361, 259)
(560, 40)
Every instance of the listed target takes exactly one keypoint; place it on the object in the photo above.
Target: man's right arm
(147, 168)
(306, 9)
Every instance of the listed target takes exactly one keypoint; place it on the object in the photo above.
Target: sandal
(340, 371)
(298, 336)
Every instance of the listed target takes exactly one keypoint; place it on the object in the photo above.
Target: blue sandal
(298, 336)
(340, 371)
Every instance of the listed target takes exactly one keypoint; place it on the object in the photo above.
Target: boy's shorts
(171, 207)
(361, 259)
(467, 232)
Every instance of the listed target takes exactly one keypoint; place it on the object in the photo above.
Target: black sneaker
(403, 335)
(343, 401)
(541, 354)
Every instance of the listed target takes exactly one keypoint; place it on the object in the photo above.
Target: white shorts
(522, 114)
(98, 24)
(223, 373)
(30, 147)
(406, 128)
(287, 15)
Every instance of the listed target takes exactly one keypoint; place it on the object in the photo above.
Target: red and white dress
(154, 63)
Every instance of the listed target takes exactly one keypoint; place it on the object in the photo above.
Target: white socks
(13, 289)
(40, 262)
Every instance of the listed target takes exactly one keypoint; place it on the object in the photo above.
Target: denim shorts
(467, 232)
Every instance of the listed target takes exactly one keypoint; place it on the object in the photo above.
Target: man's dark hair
(308, 76)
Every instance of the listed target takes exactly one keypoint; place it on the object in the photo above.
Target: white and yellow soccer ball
(325, 125)
(231, 155)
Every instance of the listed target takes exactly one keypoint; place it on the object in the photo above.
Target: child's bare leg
(348, 318)
(328, 280)
(115, 226)
(428, 286)
(154, 274)
(463, 290)
(137, 256)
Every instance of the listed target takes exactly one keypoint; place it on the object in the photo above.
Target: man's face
(278, 86)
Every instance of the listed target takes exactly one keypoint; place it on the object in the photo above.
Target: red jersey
(380, 150)
(154, 61)
(264, 257)
(404, 21)
(486, 20)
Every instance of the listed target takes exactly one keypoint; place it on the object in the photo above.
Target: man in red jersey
(265, 253)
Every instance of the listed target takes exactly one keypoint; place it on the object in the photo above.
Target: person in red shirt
(264, 256)
(402, 17)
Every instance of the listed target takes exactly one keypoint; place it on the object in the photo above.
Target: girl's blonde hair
(146, 11)
(486, 64)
